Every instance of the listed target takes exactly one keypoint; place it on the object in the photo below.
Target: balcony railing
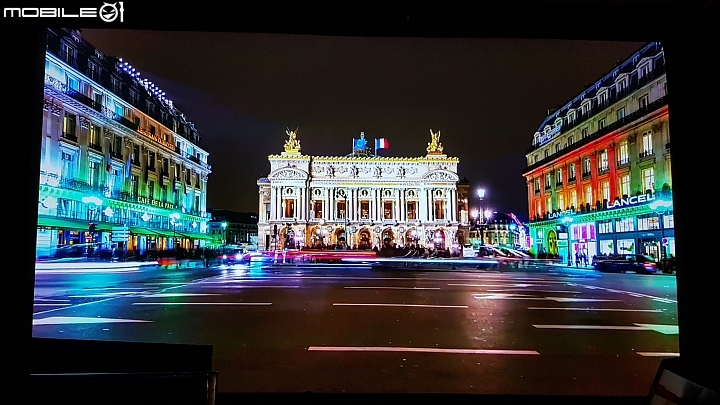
(116, 155)
(583, 208)
(151, 168)
(558, 184)
(641, 112)
(537, 191)
(646, 153)
(135, 162)
(624, 161)
(70, 137)
(165, 173)
(571, 180)
(548, 187)
(586, 176)
(96, 147)
(62, 87)
(604, 170)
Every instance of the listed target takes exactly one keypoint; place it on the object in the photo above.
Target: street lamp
(481, 196)
(174, 217)
(224, 226)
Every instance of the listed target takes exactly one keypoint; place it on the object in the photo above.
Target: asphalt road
(352, 329)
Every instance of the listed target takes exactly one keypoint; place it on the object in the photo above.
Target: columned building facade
(121, 167)
(360, 201)
(598, 171)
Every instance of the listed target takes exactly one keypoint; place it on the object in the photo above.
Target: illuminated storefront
(633, 226)
(599, 166)
(112, 175)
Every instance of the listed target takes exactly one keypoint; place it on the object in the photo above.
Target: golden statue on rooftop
(435, 147)
(292, 145)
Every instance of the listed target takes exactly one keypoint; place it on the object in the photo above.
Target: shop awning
(143, 231)
(60, 223)
(192, 235)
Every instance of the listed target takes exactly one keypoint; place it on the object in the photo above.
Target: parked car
(630, 262)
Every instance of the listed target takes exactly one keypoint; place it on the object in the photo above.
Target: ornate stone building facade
(360, 200)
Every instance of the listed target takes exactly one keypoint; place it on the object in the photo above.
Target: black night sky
(487, 96)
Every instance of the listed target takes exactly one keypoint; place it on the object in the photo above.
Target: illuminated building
(499, 230)
(116, 156)
(598, 170)
(233, 228)
(360, 200)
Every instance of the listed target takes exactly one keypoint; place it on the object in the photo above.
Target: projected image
(337, 214)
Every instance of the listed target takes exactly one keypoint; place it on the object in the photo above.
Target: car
(637, 263)
(232, 257)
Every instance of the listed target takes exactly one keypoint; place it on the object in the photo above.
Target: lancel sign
(619, 203)
(634, 200)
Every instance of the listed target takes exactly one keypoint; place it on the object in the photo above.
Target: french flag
(381, 143)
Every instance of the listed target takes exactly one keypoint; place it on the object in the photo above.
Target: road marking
(174, 295)
(251, 286)
(401, 305)
(75, 306)
(66, 320)
(502, 296)
(115, 294)
(664, 329)
(202, 303)
(590, 327)
(48, 299)
(396, 288)
(494, 285)
(562, 299)
(600, 309)
(419, 350)
(658, 354)
(634, 294)
(540, 291)
(49, 304)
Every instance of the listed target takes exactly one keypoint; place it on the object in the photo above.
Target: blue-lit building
(121, 167)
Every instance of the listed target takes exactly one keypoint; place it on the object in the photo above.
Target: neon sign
(155, 203)
(634, 200)
(546, 137)
(155, 138)
(554, 215)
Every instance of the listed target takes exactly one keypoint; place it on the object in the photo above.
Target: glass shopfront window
(648, 222)
(607, 247)
(626, 246)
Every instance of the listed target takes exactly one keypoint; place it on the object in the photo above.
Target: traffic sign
(664, 241)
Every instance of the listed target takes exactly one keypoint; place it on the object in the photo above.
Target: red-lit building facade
(598, 171)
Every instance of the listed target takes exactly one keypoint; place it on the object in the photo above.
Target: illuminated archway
(439, 239)
(364, 239)
(387, 237)
(552, 242)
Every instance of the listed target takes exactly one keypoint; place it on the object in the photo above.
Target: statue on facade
(330, 171)
(401, 172)
(434, 146)
(353, 171)
(378, 171)
(292, 145)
